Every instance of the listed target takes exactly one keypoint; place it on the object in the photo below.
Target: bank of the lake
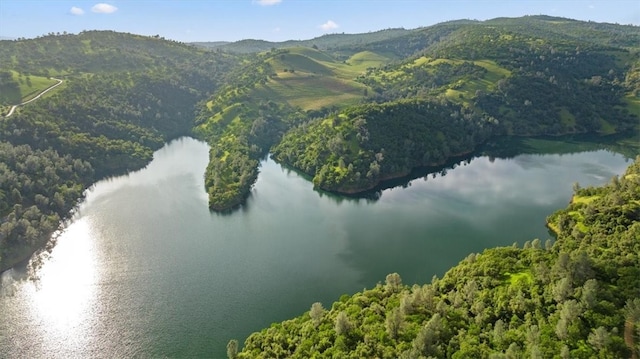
(145, 269)
(577, 297)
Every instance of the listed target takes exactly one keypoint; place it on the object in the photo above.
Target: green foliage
(240, 128)
(37, 189)
(452, 86)
(578, 300)
(142, 93)
(93, 52)
(355, 149)
(232, 349)
(9, 89)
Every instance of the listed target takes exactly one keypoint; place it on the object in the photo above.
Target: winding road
(13, 108)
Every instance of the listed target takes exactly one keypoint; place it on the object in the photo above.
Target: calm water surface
(145, 270)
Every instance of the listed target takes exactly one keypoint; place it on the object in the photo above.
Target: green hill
(123, 97)
(16, 88)
(526, 76)
(481, 80)
(265, 98)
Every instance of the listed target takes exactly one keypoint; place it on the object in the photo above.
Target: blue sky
(279, 20)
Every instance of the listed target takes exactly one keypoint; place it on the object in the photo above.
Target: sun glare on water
(64, 294)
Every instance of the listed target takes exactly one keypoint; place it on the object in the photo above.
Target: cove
(144, 269)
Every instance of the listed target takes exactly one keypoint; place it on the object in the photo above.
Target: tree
(316, 313)
(343, 324)
(394, 322)
(599, 338)
(498, 332)
(393, 282)
(632, 318)
(589, 293)
(536, 244)
(513, 352)
(232, 349)
(562, 290)
(581, 268)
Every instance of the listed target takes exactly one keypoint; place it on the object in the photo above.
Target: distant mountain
(325, 42)
(210, 45)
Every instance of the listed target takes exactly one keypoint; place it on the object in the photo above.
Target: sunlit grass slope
(28, 86)
(311, 79)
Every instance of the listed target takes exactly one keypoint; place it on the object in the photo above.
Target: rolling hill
(535, 75)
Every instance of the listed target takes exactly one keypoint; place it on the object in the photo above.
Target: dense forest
(360, 146)
(578, 297)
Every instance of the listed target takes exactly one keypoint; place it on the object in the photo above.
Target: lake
(144, 269)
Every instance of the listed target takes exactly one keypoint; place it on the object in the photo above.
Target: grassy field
(366, 59)
(31, 86)
(633, 104)
(567, 118)
(28, 88)
(310, 91)
(311, 79)
(466, 90)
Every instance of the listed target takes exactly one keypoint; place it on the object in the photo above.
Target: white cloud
(268, 2)
(329, 25)
(103, 8)
(76, 11)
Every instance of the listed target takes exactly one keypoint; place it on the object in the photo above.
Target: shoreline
(393, 177)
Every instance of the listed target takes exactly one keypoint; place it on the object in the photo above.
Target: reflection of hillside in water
(626, 144)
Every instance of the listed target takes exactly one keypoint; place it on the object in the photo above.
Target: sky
(280, 20)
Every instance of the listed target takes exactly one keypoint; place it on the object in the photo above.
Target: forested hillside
(355, 149)
(575, 298)
(123, 97)
(422, 96)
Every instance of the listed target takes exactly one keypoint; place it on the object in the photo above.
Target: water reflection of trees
(626, 144)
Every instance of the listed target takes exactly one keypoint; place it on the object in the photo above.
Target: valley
(355, 116)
